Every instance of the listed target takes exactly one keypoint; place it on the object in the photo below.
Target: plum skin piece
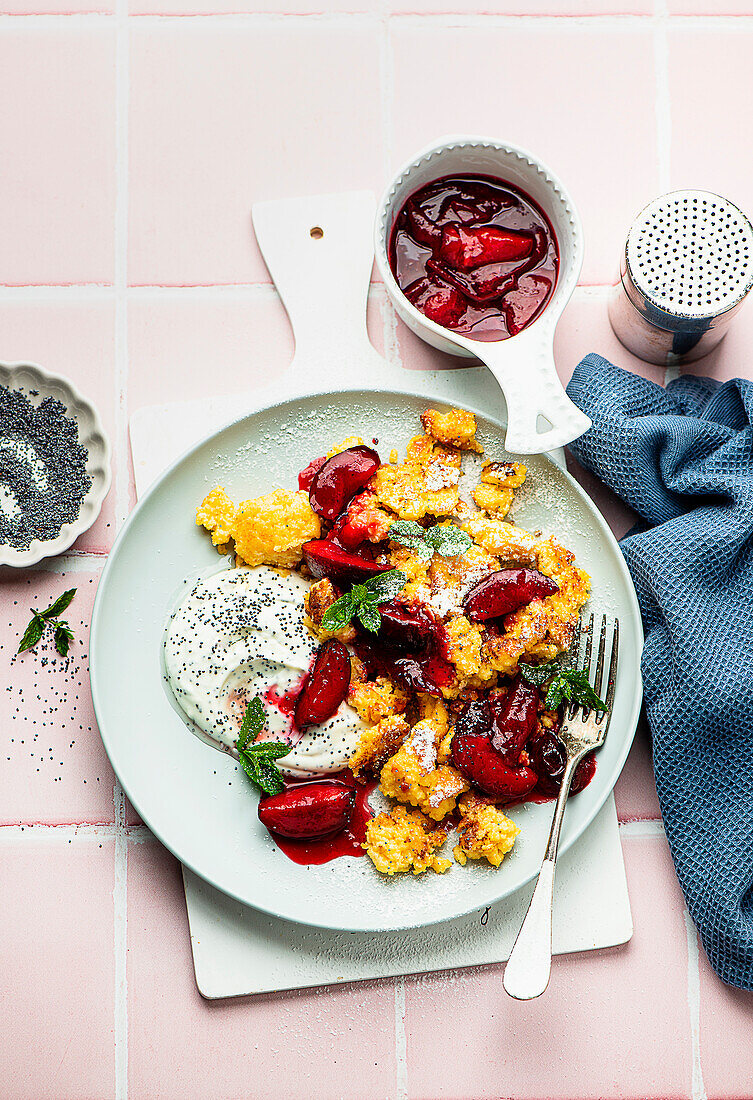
(325, 687)
(504, 591)
(308, 811)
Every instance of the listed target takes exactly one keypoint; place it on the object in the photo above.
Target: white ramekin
(540, 415)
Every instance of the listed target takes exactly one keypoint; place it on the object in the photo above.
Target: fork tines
(585, 664)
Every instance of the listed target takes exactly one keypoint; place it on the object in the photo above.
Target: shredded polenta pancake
(442, 664)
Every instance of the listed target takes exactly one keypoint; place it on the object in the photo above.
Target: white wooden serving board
(238, 950)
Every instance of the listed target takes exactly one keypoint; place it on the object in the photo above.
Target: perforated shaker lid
(689, 258)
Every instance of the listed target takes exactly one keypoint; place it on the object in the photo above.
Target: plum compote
(476, 255)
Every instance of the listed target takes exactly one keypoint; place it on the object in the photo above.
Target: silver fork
(530, 963)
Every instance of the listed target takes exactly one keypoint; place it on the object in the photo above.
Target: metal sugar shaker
(686, 268)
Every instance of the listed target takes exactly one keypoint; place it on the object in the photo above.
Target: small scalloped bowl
(522, 364)
(27, 377)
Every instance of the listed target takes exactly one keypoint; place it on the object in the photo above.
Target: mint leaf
(252, 724)
(448, 541)
(339, 613)
(269, 778)
(63, 637)
(59, 606)
(573, 685)
(410, 534)
(539, 674)
(271, 750)
(386, 585)
(565, 684)
(33, 633)
(369, 615)
(362, 601)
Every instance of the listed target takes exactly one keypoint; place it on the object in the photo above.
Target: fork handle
(530, 963)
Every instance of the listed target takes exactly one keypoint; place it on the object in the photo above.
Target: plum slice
(340, 478)
(325, 687)
(514, 719)
(308, 811)
(474, 757)
(464, 249)
(505, 591)
(443, 304)
(326, 559)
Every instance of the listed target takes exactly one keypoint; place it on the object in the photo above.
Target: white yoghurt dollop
(240, 633)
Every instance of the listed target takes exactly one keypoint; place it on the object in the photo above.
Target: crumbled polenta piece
(484, 832)
(435, 709)
(498, 481)
(217, 512)
(425, 484)
(512, 545)
(412, 774)
(457, 427)
(377, 744)
(376, 699)
(465, 647)
(271, 530)
(404, 841)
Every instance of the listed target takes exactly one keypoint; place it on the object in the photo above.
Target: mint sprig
(569, 684)
(63, 635)
(447, 540)
(258, 759)
(362, 602)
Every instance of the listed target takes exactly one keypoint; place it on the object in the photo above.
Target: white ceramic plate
(196, 799)
(38, 384)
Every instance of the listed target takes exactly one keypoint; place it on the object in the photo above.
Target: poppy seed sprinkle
(43, 477)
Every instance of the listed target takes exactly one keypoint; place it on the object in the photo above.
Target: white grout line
(120, 889)
(401, 1046)
(697, 1087)
(640, 830)
(32, 833)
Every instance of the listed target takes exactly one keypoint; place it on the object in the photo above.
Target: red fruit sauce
(345, 843)
(445, 254)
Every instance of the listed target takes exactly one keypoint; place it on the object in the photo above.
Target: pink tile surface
(53, 767)
(244, 116)
(57, 188)
(183, 349)
(56, 958)
(336, 1042)
(726, 1025)
(537, 104)
(598, 1032)
(706, 148)
(635, 792)
(56, 7)
(75, 339)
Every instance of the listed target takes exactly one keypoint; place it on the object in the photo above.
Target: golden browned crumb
(271, 530)
(457, 427)
(484, 832)
(465, 647)
(317, 600)
(425, 484)
(377, 744)
(217, 512)
(412, 774)
(429, 706)
(497, 484)
(376, 699)
(403, 840)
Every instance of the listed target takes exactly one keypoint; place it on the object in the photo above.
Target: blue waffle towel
(682, 458)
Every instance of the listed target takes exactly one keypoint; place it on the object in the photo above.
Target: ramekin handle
(524, 367)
